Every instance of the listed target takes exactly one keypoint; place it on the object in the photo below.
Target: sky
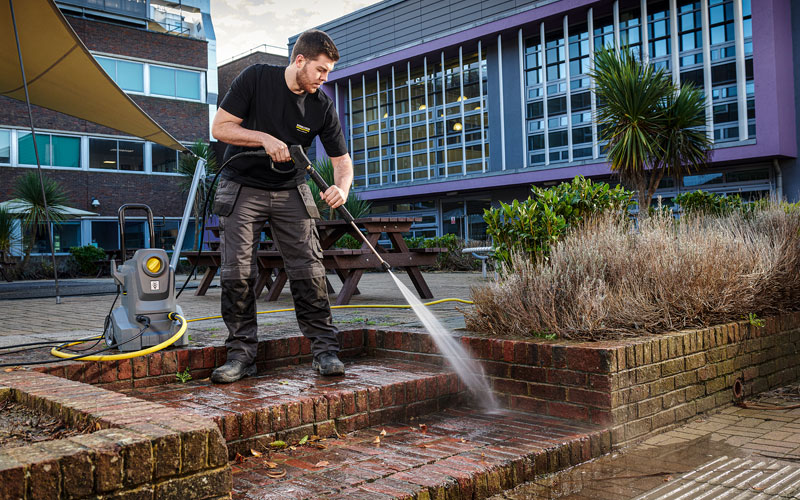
(241, 25)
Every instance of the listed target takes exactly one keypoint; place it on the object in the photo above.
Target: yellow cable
(114, 357)
(369, 306)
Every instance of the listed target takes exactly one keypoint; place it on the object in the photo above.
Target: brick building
(163, 55)
(229, 69)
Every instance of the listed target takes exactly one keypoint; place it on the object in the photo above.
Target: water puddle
(467, 369)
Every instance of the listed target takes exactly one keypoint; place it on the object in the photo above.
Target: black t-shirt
(260, 96)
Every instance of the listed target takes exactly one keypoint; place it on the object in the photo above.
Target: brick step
(290, 402)
(453, 454)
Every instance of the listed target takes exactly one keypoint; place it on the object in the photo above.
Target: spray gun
(301, 161)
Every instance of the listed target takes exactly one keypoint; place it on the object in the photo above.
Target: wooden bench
(348, 264)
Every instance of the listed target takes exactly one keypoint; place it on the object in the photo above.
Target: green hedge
(534, 225)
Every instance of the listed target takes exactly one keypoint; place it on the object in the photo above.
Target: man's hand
(276, 149)
(334, 196)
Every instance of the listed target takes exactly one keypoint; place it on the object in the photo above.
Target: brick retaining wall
(637, 387)
(140, 449)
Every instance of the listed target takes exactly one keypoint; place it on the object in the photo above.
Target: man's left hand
(334, 196)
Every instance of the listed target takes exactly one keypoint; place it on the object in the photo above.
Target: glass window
(5, 146)
(54, 150)
(102, 154)
(66, 235)
(105, 234)
(164, 159)
(111, 154)
(702, 179)
(162, 81)
(187, 84)
(128, 75)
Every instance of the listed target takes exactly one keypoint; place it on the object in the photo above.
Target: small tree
(34, 216)
(205, 191)
(651, 127)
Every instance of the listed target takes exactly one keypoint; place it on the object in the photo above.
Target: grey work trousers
(243, 212)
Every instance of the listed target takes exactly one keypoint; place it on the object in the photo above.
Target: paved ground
(745, 452)
(30, 320)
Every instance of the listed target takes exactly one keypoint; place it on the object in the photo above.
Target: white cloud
(241, 25)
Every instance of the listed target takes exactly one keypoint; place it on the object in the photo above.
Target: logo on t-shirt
(303, 129)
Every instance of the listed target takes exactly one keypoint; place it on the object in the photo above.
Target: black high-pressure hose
(301, 161)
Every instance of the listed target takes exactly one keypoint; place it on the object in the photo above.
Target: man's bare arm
(337, 194)
(228, 128)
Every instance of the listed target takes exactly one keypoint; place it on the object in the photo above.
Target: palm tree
(205, 191)
(354, 204)
(651, 126)
(34, 216)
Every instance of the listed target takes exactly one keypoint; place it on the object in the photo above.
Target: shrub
(533, 226)
(605, 279)
(87, 257)
(702, 202)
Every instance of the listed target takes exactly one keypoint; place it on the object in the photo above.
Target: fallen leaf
(314, 437)
(278, 444)
(463, 440)
(292, 448)
(238, 458)
(284, 382)
(423, 428)
(668, 479)
(323, 463)
(383, 432)
(424, 446)
(322, 447)
(8, 370)
(271, 465)
(304, 440)
(377, 439)
(256, 453)
(276, 474)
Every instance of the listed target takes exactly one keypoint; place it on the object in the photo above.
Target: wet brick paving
(435, 454)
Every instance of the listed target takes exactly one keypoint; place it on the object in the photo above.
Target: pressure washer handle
(301, 161)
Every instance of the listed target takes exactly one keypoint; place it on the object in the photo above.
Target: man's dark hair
(312, 43)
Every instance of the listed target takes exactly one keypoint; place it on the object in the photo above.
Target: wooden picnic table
(348, 264)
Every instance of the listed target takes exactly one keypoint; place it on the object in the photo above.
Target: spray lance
(302, 162)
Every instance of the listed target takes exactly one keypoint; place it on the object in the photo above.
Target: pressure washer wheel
(108, 331)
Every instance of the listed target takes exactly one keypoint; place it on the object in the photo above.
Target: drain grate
(732, 479)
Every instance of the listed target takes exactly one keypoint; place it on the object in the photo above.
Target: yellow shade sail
(63, 76)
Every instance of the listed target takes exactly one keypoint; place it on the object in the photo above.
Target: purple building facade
(451, 106)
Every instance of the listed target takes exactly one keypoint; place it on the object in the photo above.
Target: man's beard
(304, 82)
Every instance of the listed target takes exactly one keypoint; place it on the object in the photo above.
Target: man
(271, 107)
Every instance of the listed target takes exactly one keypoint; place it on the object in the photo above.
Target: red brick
(528, 404)
(124, 369)
(566, 377)
(154, 364)
(545, 391)
(305, 346)
(507, 386)
(508, 351)
(183, 359)
(591, 398)
(348, 403)
(544, 354)
(569, 411)
(208, 357)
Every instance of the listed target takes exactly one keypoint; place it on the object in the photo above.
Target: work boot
(232, 371)
(327, 363)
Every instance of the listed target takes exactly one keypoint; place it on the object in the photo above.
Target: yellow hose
(184, 324)
(370, 306)
(114, 357)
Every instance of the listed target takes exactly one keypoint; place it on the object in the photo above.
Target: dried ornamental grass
(608, 278)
